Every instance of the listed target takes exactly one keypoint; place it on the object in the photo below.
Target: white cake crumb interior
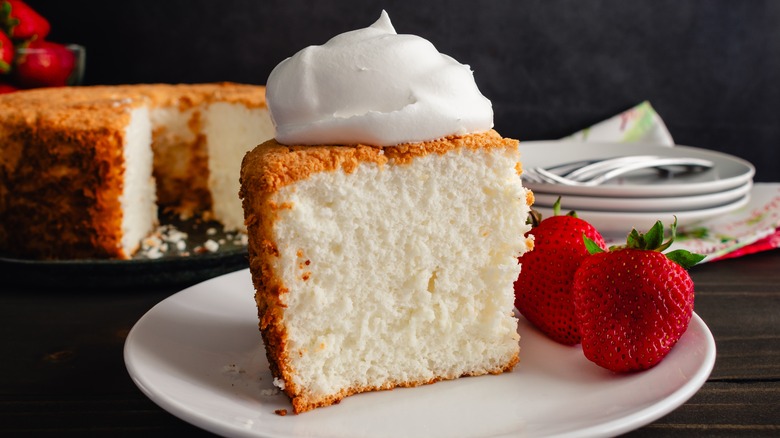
(403, 271)
(176, 122)
(231, 130)
(172, 125)
(138, 199)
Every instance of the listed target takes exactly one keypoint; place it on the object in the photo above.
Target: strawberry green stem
(653, 240)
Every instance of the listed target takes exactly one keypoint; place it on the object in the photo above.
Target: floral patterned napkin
(752, 228)
(638, 124)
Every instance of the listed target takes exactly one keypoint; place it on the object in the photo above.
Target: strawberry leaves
(653, 240)
(590, 245)
(684, 258)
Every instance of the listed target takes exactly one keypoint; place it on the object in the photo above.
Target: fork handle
(661, 162)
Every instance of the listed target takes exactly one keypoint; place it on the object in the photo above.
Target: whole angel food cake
(385, 221)
(84, 171)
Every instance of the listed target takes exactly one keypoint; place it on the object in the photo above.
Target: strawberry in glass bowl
(27, 58)
(48, 64)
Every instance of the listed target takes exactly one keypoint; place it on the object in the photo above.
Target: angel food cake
(85, 170)
(385, 220)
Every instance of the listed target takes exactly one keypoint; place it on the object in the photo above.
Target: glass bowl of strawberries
(27, 58)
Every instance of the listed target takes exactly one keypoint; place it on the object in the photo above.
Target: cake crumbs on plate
(268, 392)
(159, 242)
(168, 240)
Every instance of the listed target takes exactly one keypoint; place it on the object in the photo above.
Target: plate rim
(641, 190)
(173, 267)
(731, 196)
(685, 219)
(635, 420)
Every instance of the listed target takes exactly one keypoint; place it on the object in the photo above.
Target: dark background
(551, 67)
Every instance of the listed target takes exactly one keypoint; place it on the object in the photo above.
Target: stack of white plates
(638, 200)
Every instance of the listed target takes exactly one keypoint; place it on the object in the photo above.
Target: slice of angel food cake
(385, 221)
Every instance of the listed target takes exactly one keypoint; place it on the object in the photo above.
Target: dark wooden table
(62, 371)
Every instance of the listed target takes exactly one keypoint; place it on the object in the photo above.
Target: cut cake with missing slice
(84, 170)
(377, 268)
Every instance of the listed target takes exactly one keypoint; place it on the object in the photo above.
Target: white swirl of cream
(374, 86)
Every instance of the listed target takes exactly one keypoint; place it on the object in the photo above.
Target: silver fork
(575, 168)
(598, 167)
(598, 172)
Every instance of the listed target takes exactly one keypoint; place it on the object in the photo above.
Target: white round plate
(619, 223)
(665, 204)
(199, 355)
(727, 173)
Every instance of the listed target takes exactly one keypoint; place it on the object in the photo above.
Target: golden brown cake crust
(301, 403)
(281, 165)
(271, 166)
(66, 101)
(62, 165)
(60, 180)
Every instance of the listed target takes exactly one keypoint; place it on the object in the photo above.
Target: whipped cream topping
(374, 86)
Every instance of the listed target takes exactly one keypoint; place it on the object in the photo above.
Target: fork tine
(551, 178)
(589, 171)
(531, 175)
(608, 173)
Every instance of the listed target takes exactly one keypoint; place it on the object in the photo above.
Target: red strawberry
(543, 291)
(44, 64)
(634, 302)
(6, 53)
(21, 21)
(6, 88)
